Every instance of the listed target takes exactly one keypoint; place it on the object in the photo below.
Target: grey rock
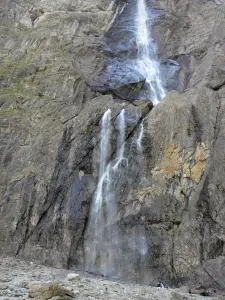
(122, 79)
(48, 291)
(178, 296)
(73, 277)
(3, 286)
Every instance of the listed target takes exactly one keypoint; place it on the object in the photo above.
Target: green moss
(8, 111)
(138, 86)
(188, 131)
(88, 130)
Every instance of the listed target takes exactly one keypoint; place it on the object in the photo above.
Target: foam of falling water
(121, 139)
(105, 149)
(94, 253)
(146, 63)
(106, 246)
(102, 250)
(139, 139)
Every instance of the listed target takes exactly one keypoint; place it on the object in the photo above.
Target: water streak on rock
(105, 150)
(139, 139)
(121, 140)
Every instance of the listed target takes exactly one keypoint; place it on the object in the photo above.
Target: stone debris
(54, 284)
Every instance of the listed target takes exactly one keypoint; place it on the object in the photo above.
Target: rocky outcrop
(181, 209)
(52, 53)
(192, 34)
(120, 79)
(46, 63)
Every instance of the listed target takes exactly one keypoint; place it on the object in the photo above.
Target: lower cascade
(106, 245)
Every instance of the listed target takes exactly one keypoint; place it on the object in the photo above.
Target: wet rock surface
(122, 80)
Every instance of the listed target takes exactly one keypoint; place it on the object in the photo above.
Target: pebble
(5, 279)
(3, 286)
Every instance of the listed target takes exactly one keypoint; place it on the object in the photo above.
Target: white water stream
(104, 250)
(139, 139)
(101, 254)
(147, 64)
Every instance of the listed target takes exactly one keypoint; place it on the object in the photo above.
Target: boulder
(48, 291)
(73, 277)
(211, 274)
(179, 296)
(122, 79)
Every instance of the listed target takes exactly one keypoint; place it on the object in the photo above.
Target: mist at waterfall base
(111, 248)
(147, 63)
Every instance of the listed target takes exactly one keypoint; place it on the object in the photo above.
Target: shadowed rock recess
(63, 63)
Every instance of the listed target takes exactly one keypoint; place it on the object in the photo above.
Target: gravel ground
(18, 277)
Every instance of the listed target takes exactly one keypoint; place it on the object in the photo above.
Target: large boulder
(122, 79)
(211, 274)
(48, 291)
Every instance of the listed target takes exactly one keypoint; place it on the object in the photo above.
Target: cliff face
(52, 54)
(49, 51)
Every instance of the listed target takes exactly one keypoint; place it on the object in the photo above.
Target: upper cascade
(147, 64)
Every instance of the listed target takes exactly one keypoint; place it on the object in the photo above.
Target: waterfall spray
(139, 139)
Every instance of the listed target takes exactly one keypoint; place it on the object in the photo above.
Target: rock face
(51, 55)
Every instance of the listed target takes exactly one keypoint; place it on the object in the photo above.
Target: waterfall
(94, 252)
(104, 153)
(147, 64)
(107, 246)
(111, 246)
(101, 254)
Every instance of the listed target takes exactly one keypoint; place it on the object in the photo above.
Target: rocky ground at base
(26, 280)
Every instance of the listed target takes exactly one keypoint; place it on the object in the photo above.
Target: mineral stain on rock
(176, 162)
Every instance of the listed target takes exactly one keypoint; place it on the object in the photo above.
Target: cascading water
(116, 245)
(147, 65)
(105, 150)
(101, 253)
(94, 255)
(121, 139)
(139, 139)
(109, 250)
